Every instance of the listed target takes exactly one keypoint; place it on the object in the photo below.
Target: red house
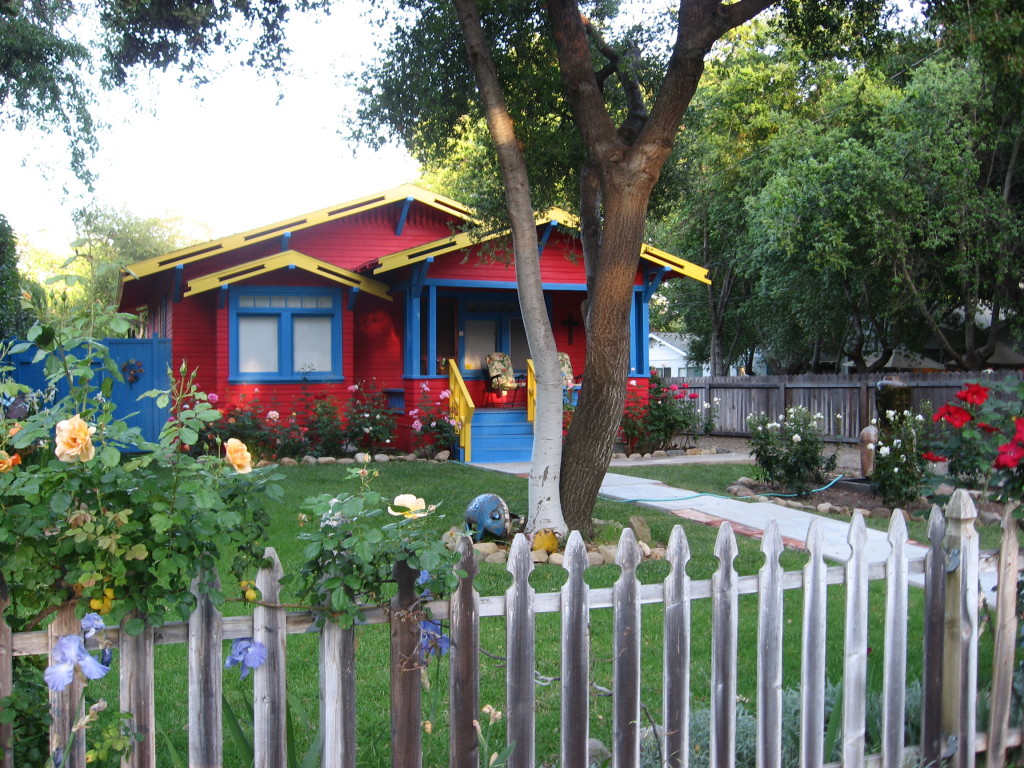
(384, 288)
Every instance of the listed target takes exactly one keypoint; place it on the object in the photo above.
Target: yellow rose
(8, 462)
(74, 440)
(412, 505)
(238, 455)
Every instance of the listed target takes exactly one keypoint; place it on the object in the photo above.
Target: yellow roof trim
(214, 247)
(682, 266)
(462, 240)
(284, 260)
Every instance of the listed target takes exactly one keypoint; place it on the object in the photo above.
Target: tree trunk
(588, 446)
(544, 506)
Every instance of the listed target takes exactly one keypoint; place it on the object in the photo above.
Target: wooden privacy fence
(949, 574)
(850, 396)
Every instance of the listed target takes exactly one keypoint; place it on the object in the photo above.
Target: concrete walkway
(746, 518)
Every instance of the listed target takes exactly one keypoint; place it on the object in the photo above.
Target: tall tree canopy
(880, 211)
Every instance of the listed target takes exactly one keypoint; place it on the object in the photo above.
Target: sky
(228, 156)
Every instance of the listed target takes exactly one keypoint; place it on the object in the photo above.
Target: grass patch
(699, 478)
(455, 485)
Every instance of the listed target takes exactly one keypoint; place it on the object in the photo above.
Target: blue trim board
(403, 215)
(285, 337)
(503, 285)
(548, 229)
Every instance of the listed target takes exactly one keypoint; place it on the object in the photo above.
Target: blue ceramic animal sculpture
(488, 513)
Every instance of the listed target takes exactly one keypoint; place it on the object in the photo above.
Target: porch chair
(501, 379)
(570, 384)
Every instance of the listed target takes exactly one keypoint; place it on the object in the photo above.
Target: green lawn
(454, 485)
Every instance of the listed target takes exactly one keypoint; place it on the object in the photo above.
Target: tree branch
(637, 113)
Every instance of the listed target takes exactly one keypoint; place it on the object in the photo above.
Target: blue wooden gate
(143, 363)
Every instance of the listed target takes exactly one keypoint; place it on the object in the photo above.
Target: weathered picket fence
(949, 573)
(849, 396)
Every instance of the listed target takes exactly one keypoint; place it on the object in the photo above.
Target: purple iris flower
(248, 653)
(68, 653)
(91, 624)
(433, 640)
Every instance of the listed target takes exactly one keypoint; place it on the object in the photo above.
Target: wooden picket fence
(949, 574)
(848, 396)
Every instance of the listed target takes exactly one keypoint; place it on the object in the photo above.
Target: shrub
(326, 433)
(369, 422)
(667, 413)
(432, 420)
(789, 451)
(900, 468)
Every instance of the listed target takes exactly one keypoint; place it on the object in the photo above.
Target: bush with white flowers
(901, 468)
(790, 449)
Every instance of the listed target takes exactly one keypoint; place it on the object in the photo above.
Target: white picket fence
(950, 575)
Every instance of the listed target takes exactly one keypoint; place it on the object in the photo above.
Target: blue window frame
(285, 334)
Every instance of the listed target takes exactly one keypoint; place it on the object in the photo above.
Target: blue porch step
(501, 435)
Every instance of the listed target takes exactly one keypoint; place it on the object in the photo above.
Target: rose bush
(91, 512)
(359, 538)
(982, 436)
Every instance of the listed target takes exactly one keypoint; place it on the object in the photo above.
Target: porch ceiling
(224, 245)
(284, 260)
(556, 215)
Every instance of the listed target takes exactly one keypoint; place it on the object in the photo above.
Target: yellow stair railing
(461, 408)
(531, 390)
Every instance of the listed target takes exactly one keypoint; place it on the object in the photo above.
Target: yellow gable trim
(457, 242)
(284, 260)
(214, 247)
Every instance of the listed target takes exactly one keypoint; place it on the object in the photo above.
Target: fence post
(6, 674)
(960, 647)
(137, 696)
(337, 695)
(205, 680)
(1005, 644)
(406, 708)
(268, 688)
(934, 610)
(64, 703)
(464, 671)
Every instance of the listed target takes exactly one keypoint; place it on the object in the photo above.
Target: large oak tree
(626, 116)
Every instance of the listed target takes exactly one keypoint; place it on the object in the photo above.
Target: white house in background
(669, 355)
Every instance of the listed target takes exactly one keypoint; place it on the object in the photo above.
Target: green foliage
(433, 423)
(369, 422)
(665, 416)
(351, 555)
(326, 430)
(789, 450)
(13, 322)
(41, 81)
(109, 239)
(901, 470)
(126, 531)
(28, 707)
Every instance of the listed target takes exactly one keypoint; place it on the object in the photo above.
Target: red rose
(680, 396)
(975, 394)
(1009, 456)
(987, 427)
(694, 395)
(954, 414)
(685, 385)
(1019, 434)
(930, 456)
